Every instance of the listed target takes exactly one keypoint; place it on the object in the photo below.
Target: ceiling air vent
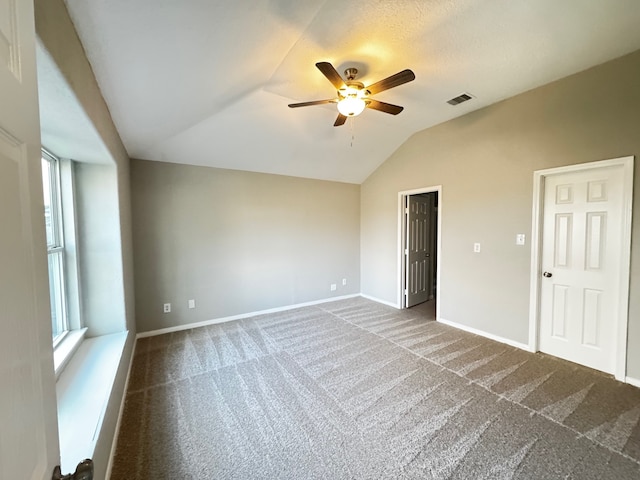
(459, 99)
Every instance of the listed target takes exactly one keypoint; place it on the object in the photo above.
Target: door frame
(622, 322)
(402, 241)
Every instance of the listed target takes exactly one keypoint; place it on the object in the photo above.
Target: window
(55, 245)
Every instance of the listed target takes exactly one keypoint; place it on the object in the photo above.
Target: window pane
(48, 212)
(56, 292)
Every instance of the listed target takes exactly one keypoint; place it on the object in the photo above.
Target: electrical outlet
(333, 287)
(192, 303)
(344, 282)
(476, 247)
(167, 308)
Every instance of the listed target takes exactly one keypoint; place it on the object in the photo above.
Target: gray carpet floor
(357, 390)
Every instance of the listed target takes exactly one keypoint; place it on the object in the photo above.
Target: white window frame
(55, 249)
(63, 191)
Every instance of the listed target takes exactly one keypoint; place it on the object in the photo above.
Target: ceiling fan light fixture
(351, 106)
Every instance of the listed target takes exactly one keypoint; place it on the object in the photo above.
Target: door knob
(84, 471)
(547, 274)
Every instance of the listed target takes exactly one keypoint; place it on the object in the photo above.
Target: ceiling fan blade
(314, 102)
(340, 120)
(331, 73)
(392, 81)
(384, 107)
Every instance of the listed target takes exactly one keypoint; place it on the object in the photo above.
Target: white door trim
(402, 241)
(621, 324)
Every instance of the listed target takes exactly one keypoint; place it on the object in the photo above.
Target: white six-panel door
(582, 250)
(419, 244)
(28, 431)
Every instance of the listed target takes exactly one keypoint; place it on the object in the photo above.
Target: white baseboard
(523, 346)
(114, 443)
(632, 381)
(490, 336)
(214, 321)
(384, 302)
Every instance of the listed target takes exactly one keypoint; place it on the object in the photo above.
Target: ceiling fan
(354, 97)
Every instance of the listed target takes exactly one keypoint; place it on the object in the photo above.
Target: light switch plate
(520, 239)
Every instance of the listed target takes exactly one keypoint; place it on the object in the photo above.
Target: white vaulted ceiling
(207, 82)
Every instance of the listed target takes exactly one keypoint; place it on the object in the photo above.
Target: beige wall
(102, 299)
(238, 242)
(485, 163)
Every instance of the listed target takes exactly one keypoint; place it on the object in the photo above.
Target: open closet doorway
(419, 235)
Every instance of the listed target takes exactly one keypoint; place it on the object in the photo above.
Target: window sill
(63, 352)
(83, 390)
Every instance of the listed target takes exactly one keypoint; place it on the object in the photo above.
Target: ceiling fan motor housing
(352, 89)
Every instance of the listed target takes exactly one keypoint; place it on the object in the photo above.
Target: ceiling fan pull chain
(353, 135)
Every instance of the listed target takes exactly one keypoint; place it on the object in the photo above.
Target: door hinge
(84, 471)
